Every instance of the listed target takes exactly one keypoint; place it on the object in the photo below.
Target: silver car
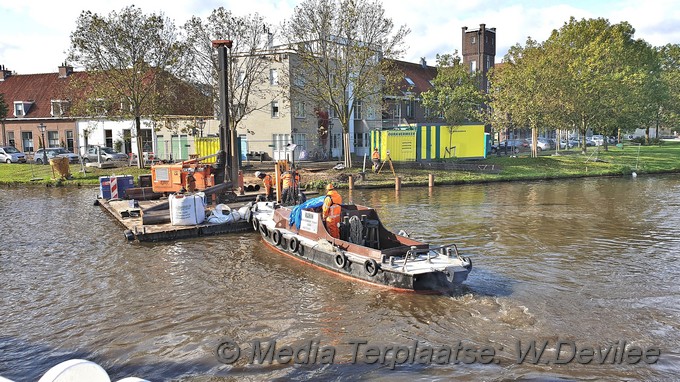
(9, 154)
(107, 154)
(54, 152)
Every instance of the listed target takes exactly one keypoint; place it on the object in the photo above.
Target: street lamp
(42, 128)
(200, 124)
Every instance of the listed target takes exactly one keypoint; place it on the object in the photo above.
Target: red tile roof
(40, 89)
(419, 74)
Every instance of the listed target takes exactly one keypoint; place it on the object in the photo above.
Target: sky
(35, 34)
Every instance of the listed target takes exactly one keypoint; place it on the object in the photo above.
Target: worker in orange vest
(331, 210)
(376, 159)
(290, 186)
(268, 184)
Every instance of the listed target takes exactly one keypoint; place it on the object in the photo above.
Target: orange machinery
(189, 175)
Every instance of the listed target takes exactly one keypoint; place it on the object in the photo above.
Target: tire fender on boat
(340, 260)
(371, 267)
(276, 237)
(294, 244)
(265, 231)
(256, 224)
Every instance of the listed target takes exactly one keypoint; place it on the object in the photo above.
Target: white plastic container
(187, 209)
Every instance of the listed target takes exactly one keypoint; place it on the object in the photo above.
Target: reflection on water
(591, 261)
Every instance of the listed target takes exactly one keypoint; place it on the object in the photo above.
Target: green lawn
(43, 175)
(597, 162)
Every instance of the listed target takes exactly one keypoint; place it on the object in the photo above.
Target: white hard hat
(257, 174)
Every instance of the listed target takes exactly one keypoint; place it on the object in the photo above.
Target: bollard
(397, 184)
(350, 180)
(431, 180)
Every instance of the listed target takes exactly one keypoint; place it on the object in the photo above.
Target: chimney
(65, 70)
(423, 63)
(4, 73)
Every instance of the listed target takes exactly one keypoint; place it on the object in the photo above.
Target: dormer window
(21, 108)
(59, 108)
(410, 81)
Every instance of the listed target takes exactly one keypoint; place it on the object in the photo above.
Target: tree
(251, 37)
(520, 91)
(133, 61)
(342, 55)
(4, 111)
(455, 94)
(669, 56)
(600, 71)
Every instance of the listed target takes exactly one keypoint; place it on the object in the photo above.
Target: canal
(589, 262)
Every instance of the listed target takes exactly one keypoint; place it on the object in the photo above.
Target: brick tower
(479, 52)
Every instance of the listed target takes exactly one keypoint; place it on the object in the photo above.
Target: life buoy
(294, 244)
(256, 224)
(276, 237)
(340, 260)
(371, 267)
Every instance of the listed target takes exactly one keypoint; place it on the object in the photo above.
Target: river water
(590, 262)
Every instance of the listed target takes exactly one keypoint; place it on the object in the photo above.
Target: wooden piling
(397, 183)
(350, 180)
(430, 180)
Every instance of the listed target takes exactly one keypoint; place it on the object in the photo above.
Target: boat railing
(443, 250)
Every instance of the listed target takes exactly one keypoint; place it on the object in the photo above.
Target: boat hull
(331, 259)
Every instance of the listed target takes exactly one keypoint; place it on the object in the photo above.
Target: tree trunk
(140, 146)
(4, 133)
(534, 142)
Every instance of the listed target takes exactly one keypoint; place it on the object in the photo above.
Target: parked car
(568, 144)
(9, 154)
(107, 153)
(513, 145)
(598, 140)
(541, 144)
(53, 152)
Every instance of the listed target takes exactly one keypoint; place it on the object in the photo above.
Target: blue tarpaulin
(296, 212)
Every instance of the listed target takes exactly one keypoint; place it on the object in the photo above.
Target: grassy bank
(615, 161)
(42, 175)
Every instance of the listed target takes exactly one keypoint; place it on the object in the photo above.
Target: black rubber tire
(38, 161)
(340, 260)
(256, 224)
(85, 160)
(294, 244)
(276, 237)
(264, 230)
(371, 267)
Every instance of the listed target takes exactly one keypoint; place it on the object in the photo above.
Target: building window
(69, 141)
(409, 108)
(361, 140)
(275, 109)
(397, 110)
(473, 39)
(301, 141)
(488, 63)
(147, 140)
(299, 109)
(52, 139)
(19, 109)
(358, 112)
(10, 138)
(473, 66)
(27, 141)
(58, 108)
(241, 77)
(281, 141)
(273, 77)
(410, 81)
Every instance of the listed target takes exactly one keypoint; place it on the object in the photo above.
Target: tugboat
(365, 249)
